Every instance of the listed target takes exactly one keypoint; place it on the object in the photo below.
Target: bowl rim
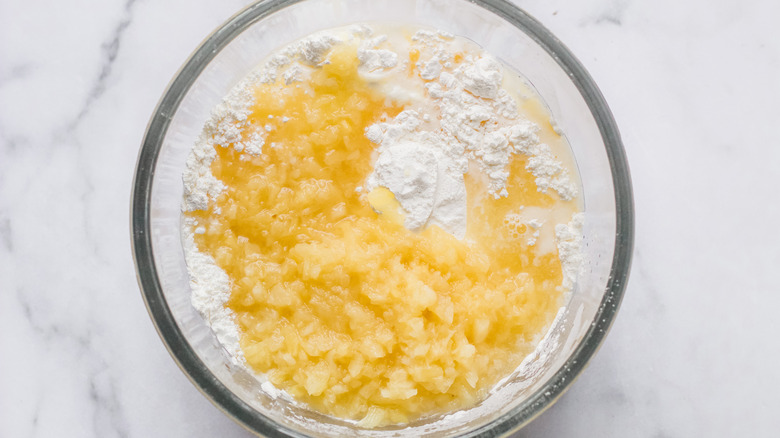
(183, 353)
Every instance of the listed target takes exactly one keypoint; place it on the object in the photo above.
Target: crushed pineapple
(337, 302)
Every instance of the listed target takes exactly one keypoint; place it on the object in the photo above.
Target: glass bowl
(503, 30)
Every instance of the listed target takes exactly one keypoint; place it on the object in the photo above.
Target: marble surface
(694, 87)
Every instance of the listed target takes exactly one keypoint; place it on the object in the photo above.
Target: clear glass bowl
(500, 28)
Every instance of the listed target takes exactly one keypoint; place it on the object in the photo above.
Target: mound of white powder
(467, 118)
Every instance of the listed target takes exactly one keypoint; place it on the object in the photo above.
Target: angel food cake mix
(382, 222)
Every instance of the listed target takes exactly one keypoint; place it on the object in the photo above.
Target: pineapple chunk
(337, 302)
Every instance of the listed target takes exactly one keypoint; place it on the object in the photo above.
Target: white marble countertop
(695, 89)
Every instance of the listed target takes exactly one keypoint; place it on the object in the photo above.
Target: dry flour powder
(456, 118)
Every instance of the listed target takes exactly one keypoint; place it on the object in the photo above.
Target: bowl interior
(502, 30)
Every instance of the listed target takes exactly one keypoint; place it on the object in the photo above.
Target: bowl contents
(382, 222)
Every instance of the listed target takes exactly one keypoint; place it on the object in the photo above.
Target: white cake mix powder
(456, 118)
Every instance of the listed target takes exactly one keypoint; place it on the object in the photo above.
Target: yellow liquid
(342, 306)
